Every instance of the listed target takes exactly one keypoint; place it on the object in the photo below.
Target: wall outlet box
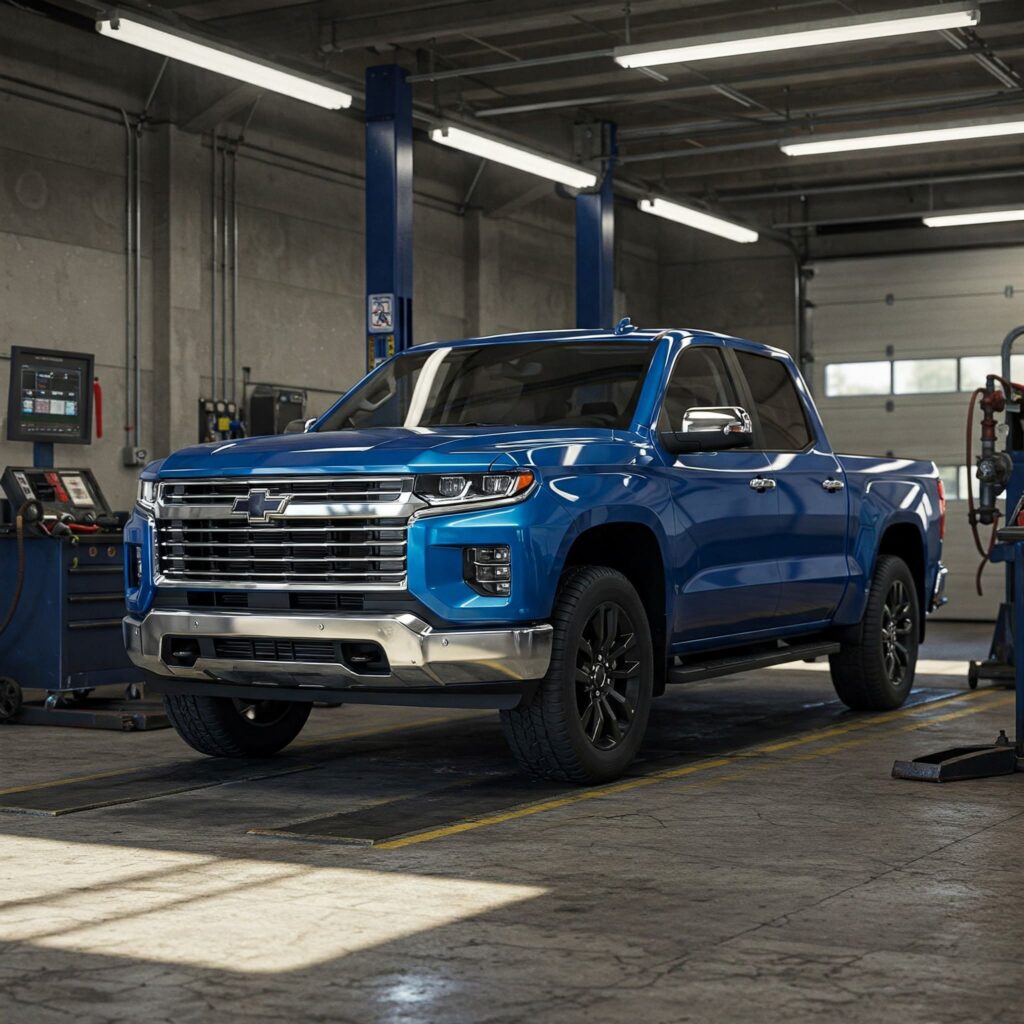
(131, 456)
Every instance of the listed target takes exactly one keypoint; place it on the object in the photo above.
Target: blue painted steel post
(595, 246)
(388, 213)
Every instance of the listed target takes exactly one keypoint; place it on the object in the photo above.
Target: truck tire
(224, 727)
(874, 671)
(589, 714)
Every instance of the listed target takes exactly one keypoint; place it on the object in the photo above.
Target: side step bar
(745, 662)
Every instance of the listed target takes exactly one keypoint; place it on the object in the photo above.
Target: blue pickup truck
(554, 525)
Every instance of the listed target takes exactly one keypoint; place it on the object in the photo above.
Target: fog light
(134, 566)
(488, 570)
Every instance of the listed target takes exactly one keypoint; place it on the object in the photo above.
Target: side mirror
(308, 425)
(710, 430)
(299, 426)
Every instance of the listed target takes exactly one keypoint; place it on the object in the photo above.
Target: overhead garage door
(898, 343)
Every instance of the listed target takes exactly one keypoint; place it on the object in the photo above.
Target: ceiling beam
(936, 60)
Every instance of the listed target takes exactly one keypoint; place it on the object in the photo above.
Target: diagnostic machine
(61, 548)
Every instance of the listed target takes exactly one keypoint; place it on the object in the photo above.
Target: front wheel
(875, 671)
(589, 715)
(226, 727)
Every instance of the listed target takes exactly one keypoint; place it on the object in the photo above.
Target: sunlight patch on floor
(248, 916)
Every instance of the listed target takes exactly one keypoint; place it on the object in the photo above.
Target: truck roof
(637, 334)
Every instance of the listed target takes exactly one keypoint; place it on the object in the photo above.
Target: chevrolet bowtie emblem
(259, 506)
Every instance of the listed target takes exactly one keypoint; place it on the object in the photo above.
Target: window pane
(699, 380)
(951, 481)
(779, 408)
(923, 376)
(973, 370)
(842, 379)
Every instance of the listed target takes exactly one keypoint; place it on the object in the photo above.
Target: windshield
(557, 384)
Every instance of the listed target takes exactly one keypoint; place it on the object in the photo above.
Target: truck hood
(398, 449)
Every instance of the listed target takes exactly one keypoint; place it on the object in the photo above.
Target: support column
(388, 213)
(595, 245)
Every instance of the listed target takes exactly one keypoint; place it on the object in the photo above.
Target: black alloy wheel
(897, 624)
(607, 676)
(874, 667)
(585, 720)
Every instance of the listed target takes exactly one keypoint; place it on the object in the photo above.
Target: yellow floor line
(77, 778)
(836, 748)
(671, 774)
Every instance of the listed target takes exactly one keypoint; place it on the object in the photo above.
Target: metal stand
(1001, 757)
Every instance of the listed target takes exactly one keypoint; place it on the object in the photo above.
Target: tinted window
(783, 422)
(558, 384)
(699, 380)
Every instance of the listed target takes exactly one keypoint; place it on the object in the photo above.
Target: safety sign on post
(381, 314)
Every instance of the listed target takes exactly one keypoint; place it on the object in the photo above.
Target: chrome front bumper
(417, 654)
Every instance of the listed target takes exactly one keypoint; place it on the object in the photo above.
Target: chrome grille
(302, 490)
(358, 553)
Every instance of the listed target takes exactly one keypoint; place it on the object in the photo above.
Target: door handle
(762, 484)
(832, 485)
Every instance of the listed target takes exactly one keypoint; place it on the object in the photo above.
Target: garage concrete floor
(758, 865)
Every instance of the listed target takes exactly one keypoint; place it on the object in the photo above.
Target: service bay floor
(759, 865)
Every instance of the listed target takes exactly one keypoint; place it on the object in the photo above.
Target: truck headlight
(464, 488)
(147, 494)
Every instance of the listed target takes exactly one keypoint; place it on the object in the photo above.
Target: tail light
(942, 510)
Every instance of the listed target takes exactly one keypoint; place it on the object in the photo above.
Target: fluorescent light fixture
(170, 42)
(888, 140)
(513, 156)
(697, 219)
(953, 220)
(791, 37)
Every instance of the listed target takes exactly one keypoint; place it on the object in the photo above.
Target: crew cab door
(725, 565)
(811, 528)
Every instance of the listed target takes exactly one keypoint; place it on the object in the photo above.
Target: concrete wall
(505, 264)
(741, 289)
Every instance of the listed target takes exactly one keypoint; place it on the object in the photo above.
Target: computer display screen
(50, 396)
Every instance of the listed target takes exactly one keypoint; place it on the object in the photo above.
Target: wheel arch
(906, 541)
(633, 548)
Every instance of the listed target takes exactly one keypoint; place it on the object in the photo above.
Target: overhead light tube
(697, 219)
(224, 60)
(513, 156)
(791, 37)
(953, 220)
(890, 140)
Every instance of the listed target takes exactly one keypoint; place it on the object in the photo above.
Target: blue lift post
(388, 213)
(595, 245)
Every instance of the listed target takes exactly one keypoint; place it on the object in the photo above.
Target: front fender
(609, 497)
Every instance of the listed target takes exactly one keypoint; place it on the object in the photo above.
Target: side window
(779, 408)
(699, 380)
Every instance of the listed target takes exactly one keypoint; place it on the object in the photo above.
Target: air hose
(992, 401)
(31, 511)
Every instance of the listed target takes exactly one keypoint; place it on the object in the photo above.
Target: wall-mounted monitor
(50, 396)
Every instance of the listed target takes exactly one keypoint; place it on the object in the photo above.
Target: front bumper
(417, 654)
